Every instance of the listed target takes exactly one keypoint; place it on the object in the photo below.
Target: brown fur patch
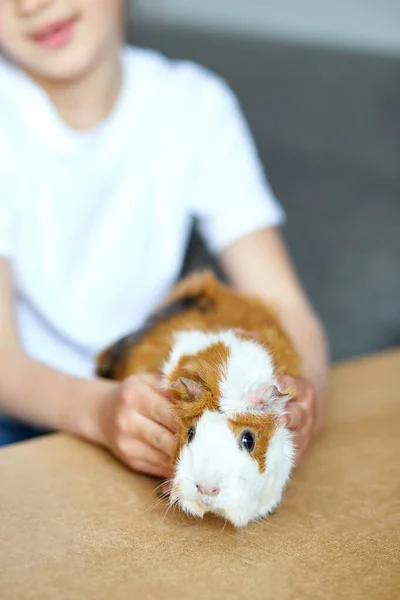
(218, 307)
(205, 368)
(263, 427)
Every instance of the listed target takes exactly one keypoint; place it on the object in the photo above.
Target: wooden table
(77, 525)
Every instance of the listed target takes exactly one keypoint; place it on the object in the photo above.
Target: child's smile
(56, 34)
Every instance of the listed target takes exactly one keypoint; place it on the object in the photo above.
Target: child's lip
(52, 29)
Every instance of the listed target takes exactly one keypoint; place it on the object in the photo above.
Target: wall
(369, 25)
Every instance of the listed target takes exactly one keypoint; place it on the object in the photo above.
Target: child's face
(59, 39)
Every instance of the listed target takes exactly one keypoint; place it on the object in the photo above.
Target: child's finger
(157, 436)
(164, 393)
(135, 450)
(149, 468)
(296, 416)
(294, 386)
(159, 410)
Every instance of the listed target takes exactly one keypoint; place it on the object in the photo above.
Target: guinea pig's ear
(268, 399)
(187, 387)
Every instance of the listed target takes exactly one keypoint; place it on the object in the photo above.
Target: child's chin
(66, 66)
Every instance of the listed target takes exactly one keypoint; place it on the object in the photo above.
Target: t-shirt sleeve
(231, 196)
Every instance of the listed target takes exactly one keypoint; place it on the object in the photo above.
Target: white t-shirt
(96, 223)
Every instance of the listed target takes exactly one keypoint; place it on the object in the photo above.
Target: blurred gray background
(319, 82)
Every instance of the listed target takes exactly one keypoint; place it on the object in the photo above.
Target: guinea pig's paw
(237, 518)
(193, 508)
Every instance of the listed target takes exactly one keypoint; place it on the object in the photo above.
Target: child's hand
(138, 425)
(302, 411)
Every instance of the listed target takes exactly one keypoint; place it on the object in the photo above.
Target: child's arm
(259, 263)
(132, 419)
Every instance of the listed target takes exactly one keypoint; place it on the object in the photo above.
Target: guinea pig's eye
(191, 433)
(248, 441)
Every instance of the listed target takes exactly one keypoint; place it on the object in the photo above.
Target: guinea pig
(221, 355)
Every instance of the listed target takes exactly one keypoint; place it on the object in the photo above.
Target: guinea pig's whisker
(171, 507)
(224, 527)
(159, 502)
(160, 496)
(154, 506)
(248, 532)
(166, 511)
(162, 484)
(266, 522)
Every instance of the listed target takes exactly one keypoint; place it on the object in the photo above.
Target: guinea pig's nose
(207, 490)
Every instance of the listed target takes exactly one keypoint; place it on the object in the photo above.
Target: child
(107, 152)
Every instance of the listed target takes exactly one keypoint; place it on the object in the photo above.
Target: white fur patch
(214, 459)
(279, 464)
(249, 368)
